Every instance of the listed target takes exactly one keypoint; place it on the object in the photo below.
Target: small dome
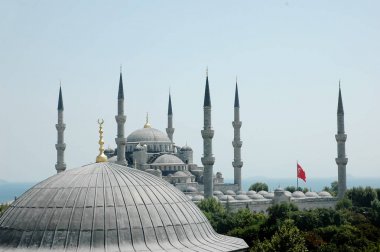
(279, 189)
(269, 195)
(226, 198)
(168, 159)
(311, 195)
(287, 193)
(230, 192)
(251, 192)
(108, 151)
(298, 194)
(241, 193)
(242, 197)
(190, 189)
(256, 196)
(262, 192)
(180, 174)
(218, 193)
(147, 135)
(324, 194)
(186, 148)
(198, 198)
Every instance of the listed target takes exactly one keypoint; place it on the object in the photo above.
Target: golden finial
(147, 124)
(101, 157)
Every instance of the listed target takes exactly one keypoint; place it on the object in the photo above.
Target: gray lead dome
(106, 206)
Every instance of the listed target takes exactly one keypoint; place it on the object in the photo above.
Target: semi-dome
(168, 159)
(108, 207)
(145, 135)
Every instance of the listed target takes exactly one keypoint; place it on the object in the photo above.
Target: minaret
(341, 160)
(170, 129)
(60, 166)
(237, 143)
(207, 135)
(120, 119)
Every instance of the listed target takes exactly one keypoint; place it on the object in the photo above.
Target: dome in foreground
(106, 206)
(146, 135)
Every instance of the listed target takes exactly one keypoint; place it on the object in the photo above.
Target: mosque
(140, 196)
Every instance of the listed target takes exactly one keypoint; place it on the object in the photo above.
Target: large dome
(106, 206)
(146, 135)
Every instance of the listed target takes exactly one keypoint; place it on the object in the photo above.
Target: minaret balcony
(237, 124)
(121, 140)
(61, 126)
(237, 144)
(237, 164)
(341, 137)
(208, 160)
(208, 133)
(60, 146)
(341, 160)
(121, 118)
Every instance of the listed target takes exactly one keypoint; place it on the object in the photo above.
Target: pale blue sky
(288, 55)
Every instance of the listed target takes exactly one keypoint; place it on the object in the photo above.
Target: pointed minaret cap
(121, 90)
(207, 101)
(170, 110)
(60, 100)
(237, 105)
(340, 102)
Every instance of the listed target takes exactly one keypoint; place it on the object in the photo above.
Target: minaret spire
(170, 129)
(237, 143)
(341, 137)
(120, 119)
(207, 135)
(60, 166)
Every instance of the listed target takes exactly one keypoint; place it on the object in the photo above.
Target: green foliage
(259, 186)
(285, 228)
(287, 238)
(376, 211)
(3, 207)
(361, 197)
(292, 189)
(344, 203)
(333, 190)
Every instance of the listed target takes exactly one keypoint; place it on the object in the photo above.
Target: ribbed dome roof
(168, 159)
(147, 135)
(106, 206)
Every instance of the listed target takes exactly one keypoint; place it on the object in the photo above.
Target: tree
(344, 203)
(287, 238)
(362, 197)
(259, 186)
(333, 190)
(376, 211)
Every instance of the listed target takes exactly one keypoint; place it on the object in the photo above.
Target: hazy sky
(288, 56)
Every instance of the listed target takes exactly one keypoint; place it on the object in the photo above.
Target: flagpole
(297, 175)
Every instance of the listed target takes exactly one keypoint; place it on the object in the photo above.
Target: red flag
(301, 173)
